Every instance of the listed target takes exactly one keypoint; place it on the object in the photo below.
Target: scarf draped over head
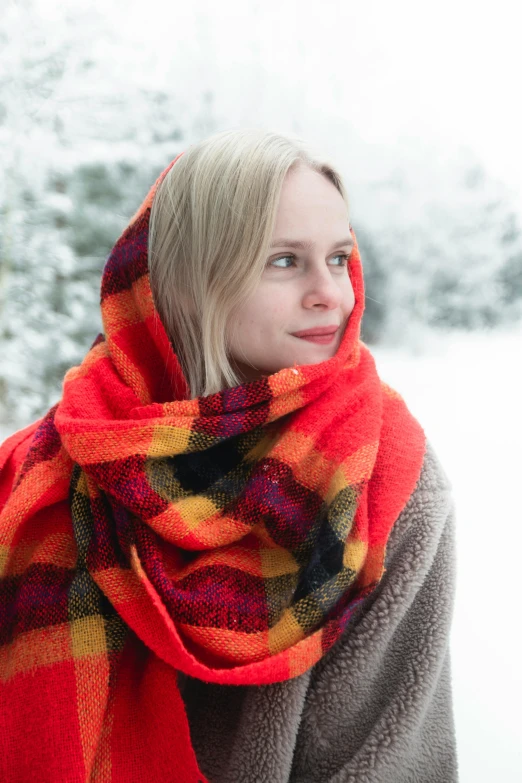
(230, 537)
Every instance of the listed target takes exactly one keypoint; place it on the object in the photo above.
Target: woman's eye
(344, 259)
(282, 258)
(281, 261)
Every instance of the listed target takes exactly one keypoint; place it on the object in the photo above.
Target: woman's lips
(323, 335)
(322, 339)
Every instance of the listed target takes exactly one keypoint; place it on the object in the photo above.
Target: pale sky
(447, 71)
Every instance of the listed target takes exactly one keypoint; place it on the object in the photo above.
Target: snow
(466, 392)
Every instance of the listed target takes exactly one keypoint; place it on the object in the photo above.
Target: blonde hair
(211, 224)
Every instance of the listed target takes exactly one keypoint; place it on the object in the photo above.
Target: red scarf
(230, 537)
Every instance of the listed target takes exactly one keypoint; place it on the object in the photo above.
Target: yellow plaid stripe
(53, 644)
(209, 532)
(121, 310)
(284, 633)
(234, 646)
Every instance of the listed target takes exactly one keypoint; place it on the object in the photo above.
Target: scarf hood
(230, 537)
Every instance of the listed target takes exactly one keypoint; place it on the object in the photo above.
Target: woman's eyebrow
(299, 245)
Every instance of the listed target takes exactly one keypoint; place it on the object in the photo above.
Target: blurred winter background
(419, 105)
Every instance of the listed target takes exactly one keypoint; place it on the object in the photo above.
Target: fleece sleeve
(377, 708)
(379, 705)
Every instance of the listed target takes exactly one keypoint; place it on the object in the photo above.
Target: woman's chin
(315, 354)
(310, 354)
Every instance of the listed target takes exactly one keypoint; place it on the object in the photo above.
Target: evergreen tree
(448, 244)
(76, 162)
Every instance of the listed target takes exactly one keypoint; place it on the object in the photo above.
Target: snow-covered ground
(467, 393)
(465, 389)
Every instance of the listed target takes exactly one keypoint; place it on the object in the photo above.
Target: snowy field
(466, 392)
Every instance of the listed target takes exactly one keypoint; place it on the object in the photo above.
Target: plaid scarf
(230, 537)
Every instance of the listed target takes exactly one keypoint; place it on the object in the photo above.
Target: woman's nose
(322, 289)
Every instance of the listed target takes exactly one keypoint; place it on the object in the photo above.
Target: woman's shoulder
(426, 513)
(379, 704)
(433, 476)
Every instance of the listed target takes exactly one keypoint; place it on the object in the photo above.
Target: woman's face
(305, 284)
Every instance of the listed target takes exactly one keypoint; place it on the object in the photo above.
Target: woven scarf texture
(230, 537)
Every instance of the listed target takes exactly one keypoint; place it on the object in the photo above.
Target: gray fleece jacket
(377, 708)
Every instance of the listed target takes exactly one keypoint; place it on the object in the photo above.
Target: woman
(227, 552)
